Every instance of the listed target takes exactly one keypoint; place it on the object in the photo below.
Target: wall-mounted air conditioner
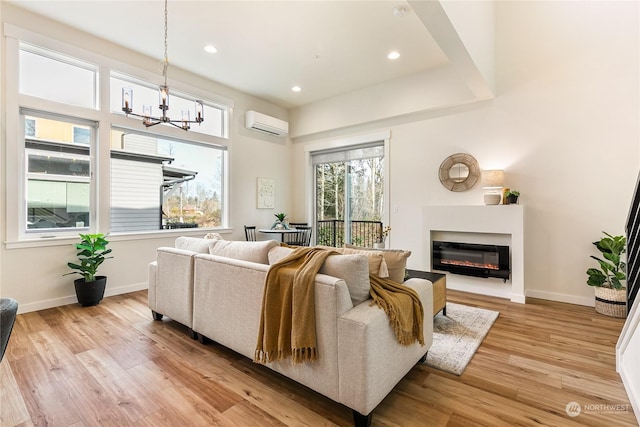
(263, 123)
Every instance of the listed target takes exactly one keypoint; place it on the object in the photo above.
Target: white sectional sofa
(215, 287)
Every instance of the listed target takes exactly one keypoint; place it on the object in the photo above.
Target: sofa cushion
(396, 260)
(193, 244)
(352, 268)
(246, 251)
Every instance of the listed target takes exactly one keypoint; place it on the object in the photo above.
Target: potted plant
(611, 295)
(92, 251)
(511, 197)
(280, 223)
(382, 238)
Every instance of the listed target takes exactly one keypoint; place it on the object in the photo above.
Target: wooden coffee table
(439, 281)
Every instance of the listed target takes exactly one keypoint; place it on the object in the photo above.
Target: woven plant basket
(611, 302)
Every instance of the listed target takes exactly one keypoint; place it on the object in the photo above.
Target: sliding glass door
(349, 194)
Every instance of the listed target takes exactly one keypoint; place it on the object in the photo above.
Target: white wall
(564, 126)
(33, 275)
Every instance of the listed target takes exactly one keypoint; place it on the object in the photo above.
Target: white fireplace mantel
(489, 221)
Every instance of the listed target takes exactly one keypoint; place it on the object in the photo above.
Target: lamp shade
(493, 178)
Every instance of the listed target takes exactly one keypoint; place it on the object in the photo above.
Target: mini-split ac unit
(263, 123)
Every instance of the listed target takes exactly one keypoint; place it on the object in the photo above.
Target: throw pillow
(377, 264)
(193, 244)
(396, 260)
(247, 251)
(277, 253)
(353, 269)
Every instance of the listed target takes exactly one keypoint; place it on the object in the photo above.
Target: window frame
(15, 102)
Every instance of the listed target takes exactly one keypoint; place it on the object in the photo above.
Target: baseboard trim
(570, 299)
(57, 302)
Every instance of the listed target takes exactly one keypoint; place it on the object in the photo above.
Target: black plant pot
(512, 200)
(90, 293)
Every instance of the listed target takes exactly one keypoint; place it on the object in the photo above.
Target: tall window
(160, 178)
(349, 189)
(58, 174)
(160, 183)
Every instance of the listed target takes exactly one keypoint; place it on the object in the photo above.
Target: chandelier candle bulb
(199, 112)
(127, 96)
(164, 98)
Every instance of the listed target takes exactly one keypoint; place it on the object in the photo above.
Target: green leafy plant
(512, 193)
(612, 269)
(92, 251)
(281, 216)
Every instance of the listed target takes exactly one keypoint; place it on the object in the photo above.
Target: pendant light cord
(166, 43)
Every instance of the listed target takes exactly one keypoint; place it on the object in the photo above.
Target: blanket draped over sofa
(402, 305)
(287, 320)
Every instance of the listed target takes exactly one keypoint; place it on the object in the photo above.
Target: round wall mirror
(459, 172)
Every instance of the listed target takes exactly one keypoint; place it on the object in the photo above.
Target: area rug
(457, 336)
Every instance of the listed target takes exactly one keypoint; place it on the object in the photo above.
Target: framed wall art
(266, 192)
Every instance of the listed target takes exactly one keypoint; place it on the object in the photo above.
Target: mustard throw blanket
(403, 307)
(287, 320)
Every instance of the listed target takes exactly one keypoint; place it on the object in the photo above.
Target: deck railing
(363, 233)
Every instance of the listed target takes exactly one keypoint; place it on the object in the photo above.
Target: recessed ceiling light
(399, 11)
(393, 55)
(210, 48)
(296, 88)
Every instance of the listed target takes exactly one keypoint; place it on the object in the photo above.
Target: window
(160, 183)
(349, 189)
(56, 77)
(58, 175)
(62, 146)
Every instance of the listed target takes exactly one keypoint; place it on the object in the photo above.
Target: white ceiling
(265, 47)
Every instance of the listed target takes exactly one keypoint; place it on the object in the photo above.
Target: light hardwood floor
(112, 365)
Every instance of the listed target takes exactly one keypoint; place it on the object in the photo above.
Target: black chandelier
(147, 118)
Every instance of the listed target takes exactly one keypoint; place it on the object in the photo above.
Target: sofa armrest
(371, 361)
(171, 293)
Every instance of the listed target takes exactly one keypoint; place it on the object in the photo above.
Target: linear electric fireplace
(471, 259)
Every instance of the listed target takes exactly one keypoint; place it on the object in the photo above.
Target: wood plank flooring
(112, 365)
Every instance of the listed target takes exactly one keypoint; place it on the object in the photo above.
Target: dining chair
(298, 224)
(250, 233)
(302, 237)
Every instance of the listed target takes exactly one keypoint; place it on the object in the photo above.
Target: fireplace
(471, 259)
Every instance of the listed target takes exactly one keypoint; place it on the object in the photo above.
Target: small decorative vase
(378, 245)
(279, 226)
